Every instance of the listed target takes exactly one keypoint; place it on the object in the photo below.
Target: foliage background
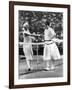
(35, 17)
(35, 24)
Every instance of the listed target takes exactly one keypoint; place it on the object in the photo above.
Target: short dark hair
(47, 23)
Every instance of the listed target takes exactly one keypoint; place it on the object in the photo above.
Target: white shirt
(27, 39)
(48, 33)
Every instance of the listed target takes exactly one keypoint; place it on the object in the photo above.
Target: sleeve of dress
(27, 33)
(53, 32)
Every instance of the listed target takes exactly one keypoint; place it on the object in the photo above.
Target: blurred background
(35, 19)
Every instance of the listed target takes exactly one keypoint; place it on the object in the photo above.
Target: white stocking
(28, 63)
(48, 64)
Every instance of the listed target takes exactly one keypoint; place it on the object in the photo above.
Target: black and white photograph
(39, 44)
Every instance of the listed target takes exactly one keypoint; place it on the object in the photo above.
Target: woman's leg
(28, 64)
(47, 56)
(52, 66)
(47, 65)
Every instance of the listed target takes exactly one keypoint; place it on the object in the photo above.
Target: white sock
(48, 64)
(28, 63)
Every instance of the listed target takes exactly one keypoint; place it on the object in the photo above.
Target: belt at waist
(48, 42)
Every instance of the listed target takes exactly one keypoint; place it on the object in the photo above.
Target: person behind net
(51, 52)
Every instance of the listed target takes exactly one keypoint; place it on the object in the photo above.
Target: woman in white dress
(51, 52)
(27, 46)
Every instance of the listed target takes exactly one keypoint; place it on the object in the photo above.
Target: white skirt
(27, 48)
(51, 52)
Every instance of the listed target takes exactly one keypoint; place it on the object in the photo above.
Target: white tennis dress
(27, 46)
(50, 48)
